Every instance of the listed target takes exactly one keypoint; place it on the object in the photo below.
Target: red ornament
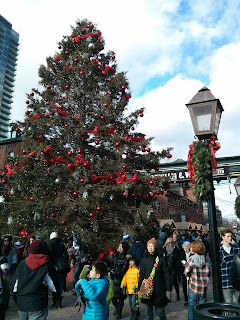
(124, 167)
(134, 195)
(31, 94)
(141, 114)
(4, 181)
(67, 87)
(148, 149)
(81, 72)
(105, 105)
(70, 67)
(63, 222)
(132, 128)
(92, 215)
(97, 142)
(167, 195)
(75, 194)
(102, 118)
(151, 182)
(81, 180)
(80, 151)
(72, 34)
(76, 60)
(24, 151)
(59, 47)
(70, 153)
(125, 194)
(31, 198)
(47, 103)
(158, 192)
(16, 163)
(53, 214)
(124, 87)
(153, 223)
(49, 87)
(152, 194)
(66, 125)
(27, 101)
(60, 107)
(70, 166)
(143, 149)
(99, 208)
(113, 57)
(67, 53)
(117, 144)
(105, 93)
(27, 113)
(169, 156)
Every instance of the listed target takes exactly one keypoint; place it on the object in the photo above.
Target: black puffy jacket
(119, 266)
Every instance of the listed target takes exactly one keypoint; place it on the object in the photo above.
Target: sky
(170, 49)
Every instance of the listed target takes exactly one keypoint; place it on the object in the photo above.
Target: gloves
(169, 295)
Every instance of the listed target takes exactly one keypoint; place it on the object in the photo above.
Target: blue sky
(169, 48)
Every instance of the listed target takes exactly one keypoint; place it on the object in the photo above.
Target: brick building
(9, 147)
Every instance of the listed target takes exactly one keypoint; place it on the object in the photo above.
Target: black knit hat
(125, 246)
(36, 247)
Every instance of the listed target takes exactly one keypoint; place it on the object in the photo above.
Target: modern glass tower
(8, 62)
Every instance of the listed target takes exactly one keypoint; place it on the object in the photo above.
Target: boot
(115, 311)
(55, 304)
(135, 315)
(60, 303)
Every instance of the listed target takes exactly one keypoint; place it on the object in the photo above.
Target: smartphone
(184, 262)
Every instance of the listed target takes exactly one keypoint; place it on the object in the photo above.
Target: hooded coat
(119, 265)
(162, 282)
(31, 282)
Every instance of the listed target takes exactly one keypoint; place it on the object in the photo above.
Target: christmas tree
(84, 167)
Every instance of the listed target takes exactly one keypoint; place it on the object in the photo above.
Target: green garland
(201, 160)
(237, 206)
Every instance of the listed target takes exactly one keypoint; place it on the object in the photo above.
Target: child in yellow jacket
(130, 284)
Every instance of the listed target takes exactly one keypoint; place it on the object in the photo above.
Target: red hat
(36, 247)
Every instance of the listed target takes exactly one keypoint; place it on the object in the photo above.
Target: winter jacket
(174, 261)
(137, 250)
(161, 241)
(119, 265)
(31, 282)
(110, 293)
(226, 264)
(95, 292)
(162, 281)
(130, 280)
(57, 252)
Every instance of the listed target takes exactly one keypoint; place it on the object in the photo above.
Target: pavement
(175, 310)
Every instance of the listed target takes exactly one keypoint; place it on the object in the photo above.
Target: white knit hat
(53, 235)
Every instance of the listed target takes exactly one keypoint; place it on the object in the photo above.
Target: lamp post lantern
(205, 111)
(237, 186)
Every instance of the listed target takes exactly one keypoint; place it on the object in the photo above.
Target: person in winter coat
(119, 265)
(162, 282)
(33, 277)
(4, 290)
(137, 249)
(59, 257)
(130, 284)
(161, 241)
(10, 252)
(172, 255)
(95, 292)
(185, 255)
(198, 271)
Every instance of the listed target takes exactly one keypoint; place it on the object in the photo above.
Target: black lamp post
(205, 111)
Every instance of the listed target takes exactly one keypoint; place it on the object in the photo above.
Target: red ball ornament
(151, 182)
(59, 47)
(124, 167)
(27, 101)
(105, 105)
(102, 118)
(81, 180)
(76, 60)
(70, 67)
(125, 194)
(47, 103)
(24, 151)
(67, 53)
(167, 195)
(72, 34)
(70, 153)
(67, 86)
(152, 194)
(31, 94)
(117, 144)
(81, 72)
(31, 198)
(99, 208)
(66, 125)
(4, 181)
(143, 149)
(169, 156)
(53, 214)
(70, 167)
(63, 222)
(27, 113)
(153, 223)
(49, 87)
(80, 151)
(113, 57)
(141, 114)
(124, 87)
(75, 194)
(92, 215)
(132, 128)
(148, 149)
(16, 163)
(97, 142)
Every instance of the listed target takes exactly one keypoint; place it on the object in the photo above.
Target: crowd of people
(30, 267)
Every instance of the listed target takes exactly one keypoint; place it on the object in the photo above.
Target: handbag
(147, 286)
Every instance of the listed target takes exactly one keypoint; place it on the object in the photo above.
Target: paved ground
(174, 311)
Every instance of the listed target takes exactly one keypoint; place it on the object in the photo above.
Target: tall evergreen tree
(83, 166)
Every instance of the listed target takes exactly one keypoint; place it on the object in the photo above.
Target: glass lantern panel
(203, 116)
(217, 120)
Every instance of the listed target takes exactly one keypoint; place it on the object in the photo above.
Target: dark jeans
(33, 315)
(118, 304)
(2, 311)
(184, 286)
(160, 311)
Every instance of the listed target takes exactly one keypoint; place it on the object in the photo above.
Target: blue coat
(95, 292)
